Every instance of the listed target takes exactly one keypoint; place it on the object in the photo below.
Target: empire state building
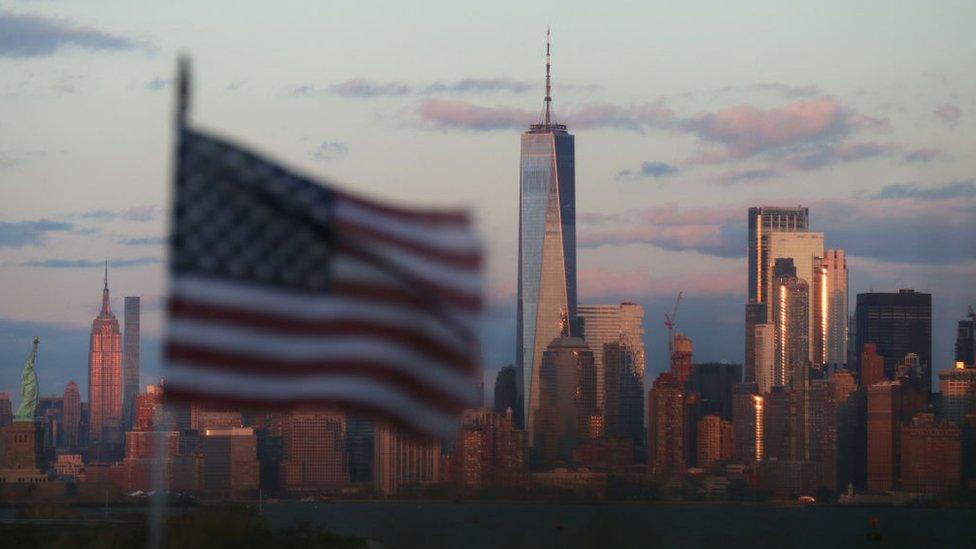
(105, 374)
(547, 247)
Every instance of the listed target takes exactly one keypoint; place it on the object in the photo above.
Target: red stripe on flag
(401, 296)
(462, 260)
(443, 292)
(430, 394)
(415, 338)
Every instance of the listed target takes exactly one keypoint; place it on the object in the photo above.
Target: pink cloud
(447, 114)
(948, 113)
(746, 130)
(705, 230)
(443, 113)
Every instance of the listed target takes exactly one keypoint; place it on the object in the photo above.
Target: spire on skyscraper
(106, 307)
(548, 86)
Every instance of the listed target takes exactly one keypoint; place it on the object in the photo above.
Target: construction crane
(669, 322)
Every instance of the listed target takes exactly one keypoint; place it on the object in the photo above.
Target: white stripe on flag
(428, 269)
(217, 384)
(461, 239)
(303, 306)
(284, 348)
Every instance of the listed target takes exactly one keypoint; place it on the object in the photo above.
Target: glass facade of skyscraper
(547, 251)
(764, 220)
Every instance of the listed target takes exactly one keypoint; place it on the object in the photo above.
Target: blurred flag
(289, 293)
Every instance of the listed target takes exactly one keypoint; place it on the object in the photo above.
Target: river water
(545, 525)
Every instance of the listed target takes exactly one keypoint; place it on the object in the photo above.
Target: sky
(684, 117)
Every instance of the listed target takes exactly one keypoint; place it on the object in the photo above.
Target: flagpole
(162, 419)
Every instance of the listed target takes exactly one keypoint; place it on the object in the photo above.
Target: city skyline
(691, 230)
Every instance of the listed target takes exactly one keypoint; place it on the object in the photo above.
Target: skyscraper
(872, 365)
(747, 423)
(850, 419)
(957, 387)
(931, 455)
(359, 445)
(898, 324)
(713, 381)
(623, 414)
(614, 323)
(806, 251)
(681, 356)
(883, 459)
(615, 334)
(765, 356)
(764, 220)
(966, 341)
(400, 460)
(830, 308)
(567, 399)
(547, 246)
(72, 415)
(105, 374)
(666, 427)
(130, 359)
(315, 454)
(790, 300)
(506, 391)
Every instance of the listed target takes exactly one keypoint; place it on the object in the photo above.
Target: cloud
(746, 176)
(710, 231)
(922, 156)
(328, 150)
(786, 90)
(745, 131)
(157, 84)
(146, 212)
(650, 169)
(450, 114)
(363, 88)
(906, 224)
(910, 231)
(478, 85)
(948, 113)
(144, 241)
(956, 189)
(803, 135)
(29, 233)
(58, 263)
(24, 35)
(8, 161)
(636, 117)
(463, 115)
(596, 284)
(821, 155)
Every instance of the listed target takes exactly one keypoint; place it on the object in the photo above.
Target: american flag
(289, 293)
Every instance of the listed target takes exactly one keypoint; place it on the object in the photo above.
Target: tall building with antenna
(547, 246)
(105, 374)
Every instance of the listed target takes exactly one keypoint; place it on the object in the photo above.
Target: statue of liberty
(28, 388)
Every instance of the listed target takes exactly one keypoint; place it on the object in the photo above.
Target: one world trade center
(547, 248)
